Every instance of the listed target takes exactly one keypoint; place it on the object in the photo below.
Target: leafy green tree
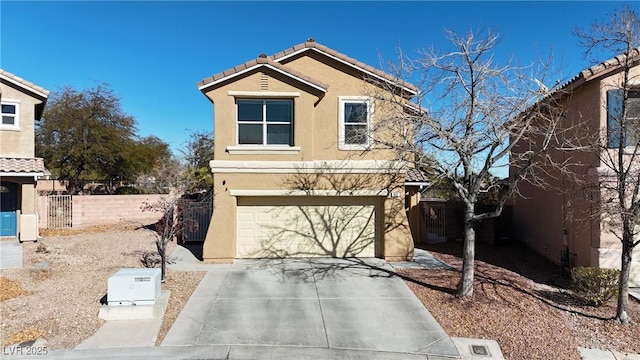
(87, 135)
(197, 154)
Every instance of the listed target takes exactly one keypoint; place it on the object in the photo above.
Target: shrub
(128, 190)
(150, 259)
(594, 285)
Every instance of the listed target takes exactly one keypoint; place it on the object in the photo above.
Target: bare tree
(472, 112)
(177, 221)
(618, 146)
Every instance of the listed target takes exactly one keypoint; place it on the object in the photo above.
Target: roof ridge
(312, 44)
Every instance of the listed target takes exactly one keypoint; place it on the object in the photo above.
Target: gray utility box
(134, 287)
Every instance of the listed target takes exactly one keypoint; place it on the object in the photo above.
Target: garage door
(301, 231)
(634, 275)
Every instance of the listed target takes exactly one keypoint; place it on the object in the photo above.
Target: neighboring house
(295, 171)
(22, 104)
(558, 226)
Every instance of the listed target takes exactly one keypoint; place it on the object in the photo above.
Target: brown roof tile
(27, 166)
(598, 69)
(415, 175)
(261, 61)
(273, 60)
(38, 90)
(358, 64)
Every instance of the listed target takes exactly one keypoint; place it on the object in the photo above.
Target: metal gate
(435, 219)
(197, 212)
(59, 212)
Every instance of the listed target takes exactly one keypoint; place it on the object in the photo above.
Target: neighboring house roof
(22, 167)
(416, 177)
(598, 70)
(274, 62)
(24, 84)
(261, 61)
(27, 86)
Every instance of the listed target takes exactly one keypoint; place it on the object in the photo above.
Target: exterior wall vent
(264, 82)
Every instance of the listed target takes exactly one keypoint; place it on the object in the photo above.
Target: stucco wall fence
(88, 210)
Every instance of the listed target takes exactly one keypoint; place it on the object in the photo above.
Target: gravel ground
(520, 300)
(64, 277)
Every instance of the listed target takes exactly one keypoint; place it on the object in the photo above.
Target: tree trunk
(622, 315)
(161, 246)
(468, 257)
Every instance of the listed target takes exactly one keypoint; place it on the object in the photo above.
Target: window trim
(342, 101)
(617, 94)
(264, 123)
(16, 115)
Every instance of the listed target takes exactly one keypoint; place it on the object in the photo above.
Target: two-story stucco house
(562, 226)
(22, 104)
(295, 169)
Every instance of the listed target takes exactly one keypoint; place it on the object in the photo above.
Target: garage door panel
(290, 231)
(634, 274)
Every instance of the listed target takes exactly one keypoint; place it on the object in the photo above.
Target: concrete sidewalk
(231, 352)
(10, 253)
(595, 354)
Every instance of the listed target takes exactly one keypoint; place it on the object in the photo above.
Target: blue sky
(153, 53)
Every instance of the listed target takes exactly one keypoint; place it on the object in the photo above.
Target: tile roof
(599, 69)
(29, 86)
(260, 61)
(274, 61)
(311, 44)
(26, 166)
(416, 176)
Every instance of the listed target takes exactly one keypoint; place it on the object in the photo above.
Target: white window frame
(264, 123)
(16, 116)
(342, 101)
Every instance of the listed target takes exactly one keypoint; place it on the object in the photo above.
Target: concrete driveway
(320, 303)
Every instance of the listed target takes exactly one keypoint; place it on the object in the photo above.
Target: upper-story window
(9, 115)
(265, 122)
(354, 122)
(622, 130)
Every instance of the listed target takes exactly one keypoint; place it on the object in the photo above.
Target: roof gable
(277, 62)
(311, 45)
(261, 61)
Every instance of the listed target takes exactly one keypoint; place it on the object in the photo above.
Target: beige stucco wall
(393, 240)
(316, 133)
(549, 219)
(19, 143)
(542, 215)
(315, 114)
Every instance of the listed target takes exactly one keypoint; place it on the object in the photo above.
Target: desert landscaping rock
(62, 300)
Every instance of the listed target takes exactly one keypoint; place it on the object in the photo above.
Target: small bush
(42, 249)
(150, 259)
(594, 285)
(128, 190)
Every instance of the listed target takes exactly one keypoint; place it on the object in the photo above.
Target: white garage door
(634, 274)
(301, 231)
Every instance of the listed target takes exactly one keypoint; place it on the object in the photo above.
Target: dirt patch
(64, 284)
(520, 300)
(10, 289)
